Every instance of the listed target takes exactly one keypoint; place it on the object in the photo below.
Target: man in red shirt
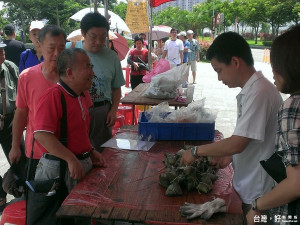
(76, 74)
(137, 69)
(32, 83)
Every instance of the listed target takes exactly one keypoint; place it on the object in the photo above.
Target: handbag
(276, 169)
(43, 201)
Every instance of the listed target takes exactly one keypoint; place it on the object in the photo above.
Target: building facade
(182, 4)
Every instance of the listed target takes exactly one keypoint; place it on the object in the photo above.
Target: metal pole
(107, 18)
(214, 15)
(95, 6)
(150, 39)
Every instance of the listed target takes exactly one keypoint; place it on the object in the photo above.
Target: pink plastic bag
(162, 66)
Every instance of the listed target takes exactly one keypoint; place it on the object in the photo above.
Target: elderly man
(76, 75)
(193, 53)
(33, 82)
(32, 57)
(254, 134)
(9, 78)
(186, 45)
(108, 79)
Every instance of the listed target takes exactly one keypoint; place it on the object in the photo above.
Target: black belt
(97, 104)
(79, 156)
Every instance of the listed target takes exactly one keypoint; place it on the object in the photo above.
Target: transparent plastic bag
(164, 85)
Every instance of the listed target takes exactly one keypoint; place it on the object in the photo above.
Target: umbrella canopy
(121, 46)
(160, 31)
(76, 35)
(116, 22)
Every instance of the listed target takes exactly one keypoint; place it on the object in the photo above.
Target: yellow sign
(137, 16)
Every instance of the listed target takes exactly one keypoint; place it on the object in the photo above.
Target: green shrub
(267, 43)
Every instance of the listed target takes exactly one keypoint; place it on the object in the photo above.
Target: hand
(198, 59)
(14, 155)
(76, 169)
(111, 118)
(135, 66)
(250, 216)
(205, 210)
(221, 162)
(97, 159)
(187, 158)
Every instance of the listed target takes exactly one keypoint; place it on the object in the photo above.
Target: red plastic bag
(162, 66)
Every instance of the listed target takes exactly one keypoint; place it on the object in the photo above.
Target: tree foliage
(249, 13)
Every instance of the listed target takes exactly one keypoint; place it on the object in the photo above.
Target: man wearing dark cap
(13, 47)
(9, 74)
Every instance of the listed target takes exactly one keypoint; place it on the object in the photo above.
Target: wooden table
(135, 97)
(128, 190)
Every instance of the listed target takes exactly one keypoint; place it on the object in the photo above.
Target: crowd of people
(67, 96)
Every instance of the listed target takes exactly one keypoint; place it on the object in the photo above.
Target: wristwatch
(254, 205)
(194, 152)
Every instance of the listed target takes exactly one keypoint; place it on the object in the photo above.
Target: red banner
(155, 3)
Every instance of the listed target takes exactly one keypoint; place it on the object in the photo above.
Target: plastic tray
(175, 131)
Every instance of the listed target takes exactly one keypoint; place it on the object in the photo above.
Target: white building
(183, 4)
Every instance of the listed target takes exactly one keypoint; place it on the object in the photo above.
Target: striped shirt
(194, 47)
(288, 141)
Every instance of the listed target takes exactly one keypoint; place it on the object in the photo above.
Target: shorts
(193, 65)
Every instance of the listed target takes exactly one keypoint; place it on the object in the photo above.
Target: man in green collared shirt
(9, 74)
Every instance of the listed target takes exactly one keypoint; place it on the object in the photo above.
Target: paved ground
(218, 97)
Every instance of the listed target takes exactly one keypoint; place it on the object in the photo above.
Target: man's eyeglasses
(94, 37)
(173, 32)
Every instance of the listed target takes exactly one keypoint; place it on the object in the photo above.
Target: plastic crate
(175, 131)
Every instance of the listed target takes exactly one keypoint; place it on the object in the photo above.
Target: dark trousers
(5, 141)
(135, 80)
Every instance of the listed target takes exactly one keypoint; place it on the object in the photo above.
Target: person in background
(13, 47)
(9, 77)
(145, 41)
(186, 45)
(194, 56)
(254, 134)
(158, 49)
(173, 50)
(137, 69)
(108, 79)
(76, 74)
(285, 62)
(32, 83)
(32, 57)
(111, 46)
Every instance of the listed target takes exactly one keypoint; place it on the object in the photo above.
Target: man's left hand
(111, 118)
(97, 159)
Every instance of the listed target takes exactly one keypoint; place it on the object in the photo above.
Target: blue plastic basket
(175, 131)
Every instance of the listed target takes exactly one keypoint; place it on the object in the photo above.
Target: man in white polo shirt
(173, 50)
(253, 139)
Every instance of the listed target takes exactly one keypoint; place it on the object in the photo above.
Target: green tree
(255, 14)
(278, 13)
(120, 9)
(167, 17)
(3, 21)
(296, 13)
